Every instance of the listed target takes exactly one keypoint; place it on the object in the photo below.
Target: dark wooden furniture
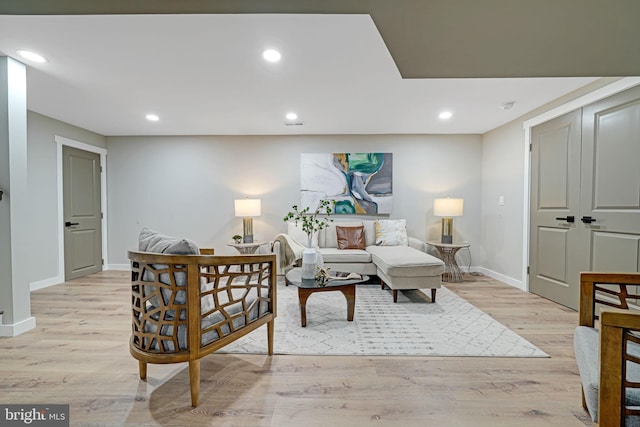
(306, 287)
(187, 306)
(618, 326)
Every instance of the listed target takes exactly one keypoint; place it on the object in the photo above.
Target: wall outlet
(501, 201)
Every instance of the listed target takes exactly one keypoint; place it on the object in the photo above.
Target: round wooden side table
(452, 272)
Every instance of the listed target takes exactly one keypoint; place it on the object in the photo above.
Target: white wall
(43, 193)
(185, 186)
(14, 207)
(503, 173)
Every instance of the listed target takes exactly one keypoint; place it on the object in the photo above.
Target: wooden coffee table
(306, 287)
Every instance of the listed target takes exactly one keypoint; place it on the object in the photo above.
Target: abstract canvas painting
(360, 183)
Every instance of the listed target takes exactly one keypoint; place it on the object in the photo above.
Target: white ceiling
(204, 75)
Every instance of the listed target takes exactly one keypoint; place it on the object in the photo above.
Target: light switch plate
(501, 201)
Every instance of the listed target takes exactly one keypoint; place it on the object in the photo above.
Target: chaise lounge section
(401, 262)
(404, 267)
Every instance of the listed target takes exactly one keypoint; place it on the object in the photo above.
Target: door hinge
(528, 269)
(101, 215)
(530, 147)
(100, 169)
(102, 261)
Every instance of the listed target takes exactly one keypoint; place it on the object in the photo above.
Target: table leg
(349, 293)
(453, 273)
(303, 295)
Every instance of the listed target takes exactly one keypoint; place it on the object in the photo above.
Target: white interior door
(554, 206)
(82, 212)
(585, 196)
(610, 185)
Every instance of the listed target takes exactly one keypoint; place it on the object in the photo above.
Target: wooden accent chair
(187, 306)
(609, 361)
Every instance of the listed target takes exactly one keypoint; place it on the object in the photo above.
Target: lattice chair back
(187, 306)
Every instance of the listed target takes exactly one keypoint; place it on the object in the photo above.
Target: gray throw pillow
(152, 241)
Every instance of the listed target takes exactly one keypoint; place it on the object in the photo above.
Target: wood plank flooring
(78, 354)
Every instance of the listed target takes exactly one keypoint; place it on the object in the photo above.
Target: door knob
(69, 224)
(568, 218)
(587, 219)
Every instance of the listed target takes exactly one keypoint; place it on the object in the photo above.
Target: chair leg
(395, 295)
(433, 294)
(381, 285)
(270, 329)
(142, 368)
(194, 381)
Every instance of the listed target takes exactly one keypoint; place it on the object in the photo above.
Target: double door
(585, 196)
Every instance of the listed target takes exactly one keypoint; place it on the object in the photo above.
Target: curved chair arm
(615, 326)
(614, 293)
(619, 342)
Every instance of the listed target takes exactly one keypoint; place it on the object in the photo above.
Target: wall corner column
(15, 298)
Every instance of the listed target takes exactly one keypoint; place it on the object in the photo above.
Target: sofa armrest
(288, 251)
(417, 244)
(276, 248)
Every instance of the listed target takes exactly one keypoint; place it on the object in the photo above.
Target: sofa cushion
(586, 343)
(335, 255)
(350, 237)
(391, 232)
(405, 261)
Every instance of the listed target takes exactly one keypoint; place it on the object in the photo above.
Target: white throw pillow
(391, 232)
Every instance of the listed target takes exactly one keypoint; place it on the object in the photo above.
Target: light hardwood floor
(78, 354)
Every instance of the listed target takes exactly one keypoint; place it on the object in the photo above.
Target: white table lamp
(447, 208)
(247, 209)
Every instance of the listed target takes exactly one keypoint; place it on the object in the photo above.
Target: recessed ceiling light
(31, 56)
(446, 115)
(152, 117)
(271, 55)
(291, 116)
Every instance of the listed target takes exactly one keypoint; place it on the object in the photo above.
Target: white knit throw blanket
(290, 250)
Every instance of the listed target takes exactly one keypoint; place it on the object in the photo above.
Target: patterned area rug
(412, 326)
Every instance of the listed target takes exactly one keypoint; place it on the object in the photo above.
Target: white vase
(309, 262)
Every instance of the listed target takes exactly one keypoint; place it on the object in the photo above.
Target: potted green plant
(237, 238)
(311, 224)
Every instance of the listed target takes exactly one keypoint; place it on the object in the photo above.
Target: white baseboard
(126, 267)
(118, 267)
(17, 328)
(501, 277)
(40, 284)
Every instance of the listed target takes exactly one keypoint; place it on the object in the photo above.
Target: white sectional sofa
(399, 263)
